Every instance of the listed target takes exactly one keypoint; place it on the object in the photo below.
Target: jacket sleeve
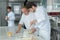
(21, 20)
(41, 15)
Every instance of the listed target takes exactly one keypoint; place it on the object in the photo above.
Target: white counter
(3, 34)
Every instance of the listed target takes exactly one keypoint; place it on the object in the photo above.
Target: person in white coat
(10, 18)
(42, 20)
(25, 19)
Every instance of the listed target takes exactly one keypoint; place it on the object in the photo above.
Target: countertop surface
(4, 36)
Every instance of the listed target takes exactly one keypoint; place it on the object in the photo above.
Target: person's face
(25, 11)
(8, 10)
(32, 9)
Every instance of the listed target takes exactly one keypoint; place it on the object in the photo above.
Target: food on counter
(9, 34)
(27, 33)
(28, 36)
(30, 32)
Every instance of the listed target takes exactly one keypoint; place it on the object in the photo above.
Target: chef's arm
(33, 30)
(41, 15)
(21, 22)
(19, 28)
(6, 18)
(33, 22)
(39, 20)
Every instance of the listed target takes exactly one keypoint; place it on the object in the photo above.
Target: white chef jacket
(11, 19)
(42, 18)
(42, 22)
(25, 19)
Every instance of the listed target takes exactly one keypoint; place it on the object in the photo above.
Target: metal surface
(3, 5)
(55, 33)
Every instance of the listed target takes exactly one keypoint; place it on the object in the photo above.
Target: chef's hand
(32, 30)
(19, 28)
(17, 31)
(6, 18)
(33, 22)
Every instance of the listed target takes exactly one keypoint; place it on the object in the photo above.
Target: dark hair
(30, 4)
(8, 7)
(24, 7)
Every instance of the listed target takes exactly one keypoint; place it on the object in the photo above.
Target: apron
(11, 26)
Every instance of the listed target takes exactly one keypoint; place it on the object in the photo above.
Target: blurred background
(53, 10)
